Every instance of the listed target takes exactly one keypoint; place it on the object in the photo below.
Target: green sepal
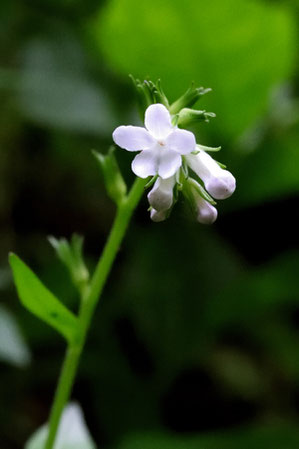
(205, 148)
(191, 183)
(160, 96)
(184, 169)
(151, 182)
(71, 255)
(114, 182)
(143, 93)
(221, 165)
(188, 99)
(148, 93)
(188, 116)
(175, 119)
(40, 301)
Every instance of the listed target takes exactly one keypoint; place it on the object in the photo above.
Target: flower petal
(168, 163)
(206, 213)
(133, 138)
(158, 121)
(161, 195)
(182, 141)
(145, 164)
(219, 183)
(158, 216)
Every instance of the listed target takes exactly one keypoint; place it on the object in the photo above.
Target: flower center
(161, 143)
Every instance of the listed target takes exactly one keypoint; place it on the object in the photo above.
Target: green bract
(114, 182)
(70, 253)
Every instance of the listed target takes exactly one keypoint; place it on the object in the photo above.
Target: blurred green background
(195, 344)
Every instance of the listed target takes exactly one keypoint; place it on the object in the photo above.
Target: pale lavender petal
(158, 121)
(145, 164)
(161, 195)
(182, 141)
(206, 213)
(158, 216)
(218, 182)
(133, 138)
(168, 163)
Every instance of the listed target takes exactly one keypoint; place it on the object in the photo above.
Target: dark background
(195, 343)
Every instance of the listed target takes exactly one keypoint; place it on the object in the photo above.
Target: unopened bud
(114, 182)
(188, 116)
(218, 182)
(158, 216)
(188, 99)
(161, 195)
(206, 213)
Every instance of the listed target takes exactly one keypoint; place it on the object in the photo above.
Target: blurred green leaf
(55, 90)
(72, 432)
(254, 295)
(13, 348)
(254, 438)
(40, 301)
(271, 171)
(227, 45)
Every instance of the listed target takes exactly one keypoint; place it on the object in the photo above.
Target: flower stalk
(89, 299)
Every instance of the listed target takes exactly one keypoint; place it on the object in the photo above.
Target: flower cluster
(176, 163)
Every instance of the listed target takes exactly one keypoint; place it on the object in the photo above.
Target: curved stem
(89, 302)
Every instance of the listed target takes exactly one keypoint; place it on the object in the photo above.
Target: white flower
(218, 182)
(161, 195)
(158, 216)
(205, 212)
(161, 144)
(72, 432)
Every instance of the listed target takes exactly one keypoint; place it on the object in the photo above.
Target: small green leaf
(115, 184)
(71, 255)
(40, 301)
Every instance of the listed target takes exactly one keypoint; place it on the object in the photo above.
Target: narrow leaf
(40, 301)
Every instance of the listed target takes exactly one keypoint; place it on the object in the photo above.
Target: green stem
(89, 302)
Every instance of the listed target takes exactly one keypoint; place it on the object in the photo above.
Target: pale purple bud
(218, 182)
(206, 213)
(158, 216)
(161, 195)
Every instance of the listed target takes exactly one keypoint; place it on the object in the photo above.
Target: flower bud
(115, 184)
(71, 255)
(218, 182)
(188, 116)
(206, 213)
(188, 99)
(158, 216)
(161, 195)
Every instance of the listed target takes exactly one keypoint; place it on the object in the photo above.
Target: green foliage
(259, 438)
(40, 301)
(71, 254)
(181, 297)
(114, 182)
(228, 45)
(54, 89)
